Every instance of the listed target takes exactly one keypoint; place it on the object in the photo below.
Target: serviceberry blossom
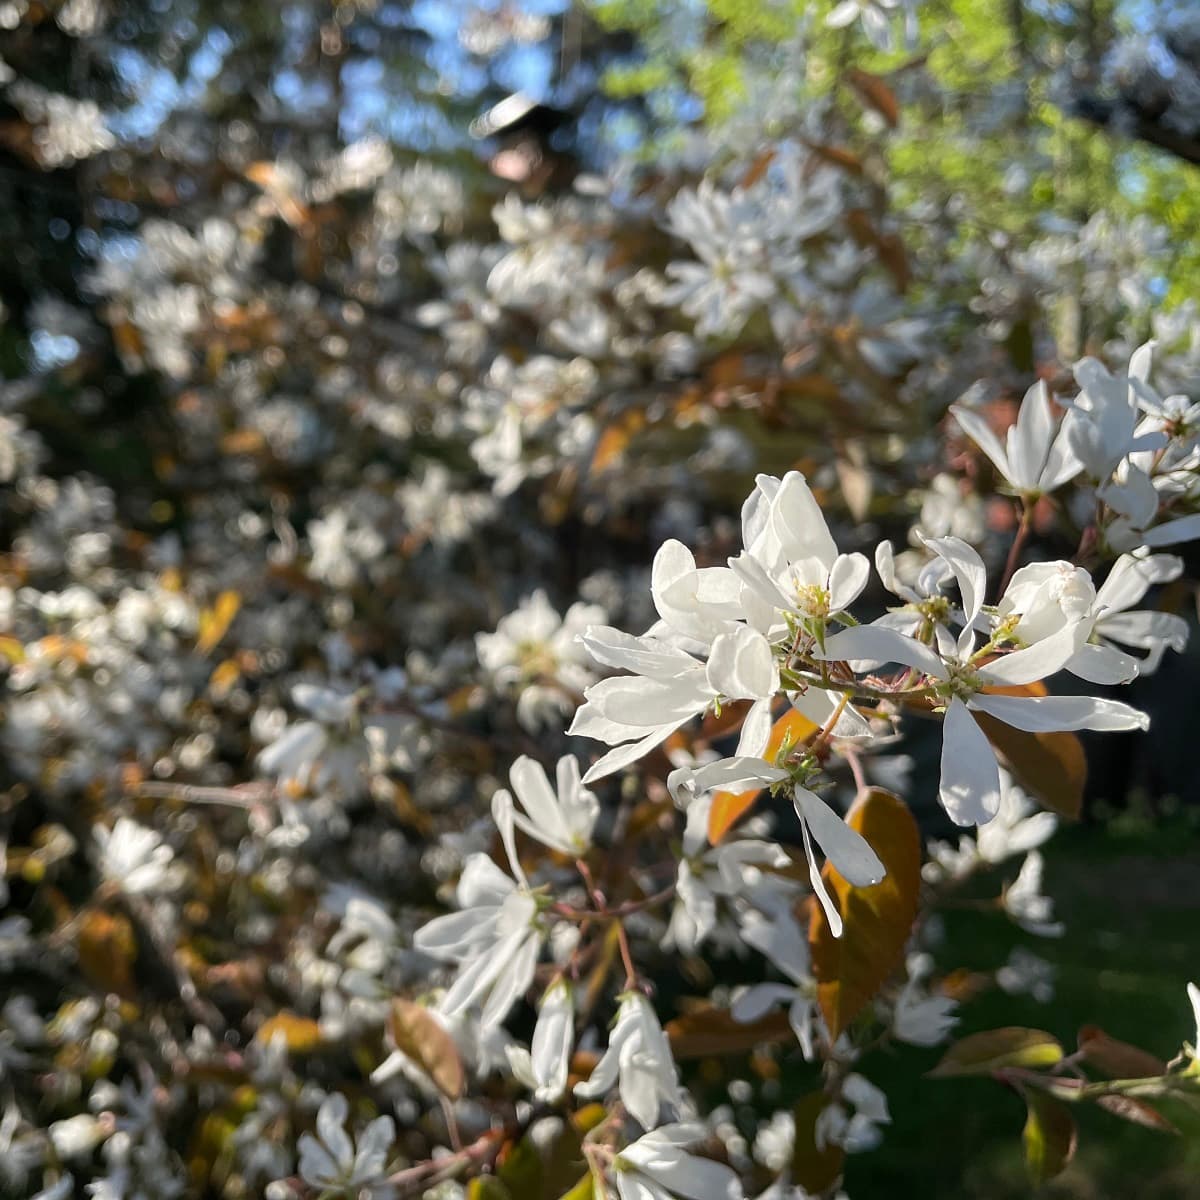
(783, 943)
(536, 654)
(562, 817)
(495, 938)
(133, 857)
(658, 1167)
(333, 1162)
(959, 683)
(638, 1061)
(1037, 456)
(543, 1067)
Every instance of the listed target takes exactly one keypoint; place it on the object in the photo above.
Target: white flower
(330, 1161)
(1101, 426)
(639, 1061)
(1025, 973)
(1016, 828)
(538, 653)
(970, 780)
(922, 1019)
(543, 1067)
(657, 1167)
(790, 564)
(859, 1130)
(1024, 902)
(874, 14)
(843, 846)
(494, 937)
(133, 857)
(725, 230)
(1044, 599)
(78, 1136)
(560, 818)
(634, 713)
(1036, 457)
(338, 746)
(1130, 578)
(781, 940)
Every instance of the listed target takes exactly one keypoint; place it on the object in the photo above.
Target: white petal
(970, 787)
(1039, 661)
(756, 730)
(1047, 714)
(1102, 664)
(1131, 578)
(1182, 529)
(1145, 629)
(331, 1119)
(622, 756)
(843, 846)
(537, 797)
(755, 1002)
(818, 884)
(1029, 439)
(968, 570)
(741, 665)
(975, 426)
(847, 578)
(502, 814)
(878, 644)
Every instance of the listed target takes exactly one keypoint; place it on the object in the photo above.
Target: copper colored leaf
(107, 951)
(711, 1031)
(1116, 1059)
(839, 156)
(215, 621)
(416, 1032)
(301, 1035)
(729, 807)
(1049, 1136)
(815, 1168)
(1011, 1046)
(1051, 766)
(1137, 1112)
(876, 94)
(851, 969)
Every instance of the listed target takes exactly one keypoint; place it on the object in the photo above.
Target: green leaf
(1012, 1046)
(487, 1187)
(522, 1171)
(585, 1189)
(1049, 1136)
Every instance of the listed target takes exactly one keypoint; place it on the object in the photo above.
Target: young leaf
(876, 94)
(1136, 1112)
(1116, 1059)
(301, 1035)
(1049, 1136)
(877, 920)
(1012, 1046)
(711, 1031)
(417, 1033)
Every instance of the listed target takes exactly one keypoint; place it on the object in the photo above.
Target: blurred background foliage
(229, 294)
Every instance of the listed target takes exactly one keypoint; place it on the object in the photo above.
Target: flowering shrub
(416, 779)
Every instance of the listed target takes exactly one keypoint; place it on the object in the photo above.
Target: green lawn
(1129, 892)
